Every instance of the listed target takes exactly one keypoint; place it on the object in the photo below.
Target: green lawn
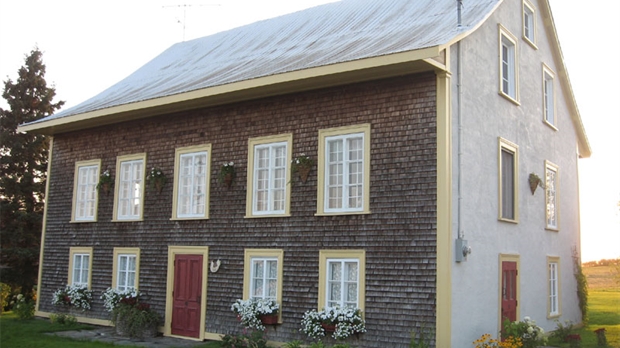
(15, 333)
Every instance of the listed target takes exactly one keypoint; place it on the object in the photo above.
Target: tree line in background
(23, 173)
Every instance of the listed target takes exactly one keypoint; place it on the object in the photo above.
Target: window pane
(508, 209)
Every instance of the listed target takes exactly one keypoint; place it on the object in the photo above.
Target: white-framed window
(551, 196)
(80, 265)
(129, 188)
(508, 65)
(126, 266)
(529, 23)
(344, 166)
(191, 182)
(553, 279)
(508, 181)
(342, 278)
(268, 176)
(549, 96)
(85, 195)
(264, 278)
(263, 272)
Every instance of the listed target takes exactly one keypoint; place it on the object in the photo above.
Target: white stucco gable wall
(486, 115)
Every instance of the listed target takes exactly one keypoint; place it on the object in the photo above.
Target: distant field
(601, 278)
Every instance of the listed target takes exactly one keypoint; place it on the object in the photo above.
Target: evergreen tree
(23, 166)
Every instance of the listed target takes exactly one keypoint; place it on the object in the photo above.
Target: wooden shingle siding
(399, 236)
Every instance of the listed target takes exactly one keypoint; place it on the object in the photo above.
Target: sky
(90, 45)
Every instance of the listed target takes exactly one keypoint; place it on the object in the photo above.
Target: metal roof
(333, 33)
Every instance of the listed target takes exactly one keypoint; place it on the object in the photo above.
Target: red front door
(509, 290)
(187, 295)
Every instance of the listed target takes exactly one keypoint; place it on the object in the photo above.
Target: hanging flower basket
(227, 173)
(156, 179)
(106, 182)
(535, 181)
(302, 165)
(328, 327)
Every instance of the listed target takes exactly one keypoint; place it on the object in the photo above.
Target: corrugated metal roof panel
(328, 34)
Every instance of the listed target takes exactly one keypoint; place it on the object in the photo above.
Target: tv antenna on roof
(185, 6)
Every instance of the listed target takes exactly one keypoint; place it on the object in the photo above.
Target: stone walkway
(106, 334)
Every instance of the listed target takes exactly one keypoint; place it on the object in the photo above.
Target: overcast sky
(90, 45)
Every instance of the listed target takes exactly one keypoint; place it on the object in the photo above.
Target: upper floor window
(343, 167)
(80, 264)
(509, 86)
(191, 183)
(508, 181)
(551, 195)
(268, 174)
(125, 268)
(529, 23)
(129, 191)
(553, 302)
(342, 278)
(85, 196)
(549, 96)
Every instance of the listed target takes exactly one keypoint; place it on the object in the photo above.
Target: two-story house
(424, 120)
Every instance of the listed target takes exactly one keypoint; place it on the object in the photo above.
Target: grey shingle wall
(398, 236)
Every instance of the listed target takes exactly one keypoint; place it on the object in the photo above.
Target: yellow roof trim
(307, 79)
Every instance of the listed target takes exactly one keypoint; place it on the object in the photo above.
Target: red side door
(509, 290)
(186, 295)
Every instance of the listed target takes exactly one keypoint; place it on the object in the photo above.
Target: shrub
(63, 319)
(531, 334)
(486, 341)
(254, 340)
(5, 295)
(422, 338)
(24, 308)
(134, 318)
(562, 330)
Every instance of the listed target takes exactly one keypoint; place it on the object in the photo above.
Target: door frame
(508, 258)
(174, 250)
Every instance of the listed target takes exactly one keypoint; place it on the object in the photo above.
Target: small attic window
(529, 23)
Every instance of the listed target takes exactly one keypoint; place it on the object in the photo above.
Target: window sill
(509, 98)
(550, 125)
(508, 220)
(529, 42)
(127, 220)
(82, 221)
(189, 218)
(552, 229)
(266, 216)
(336, 213)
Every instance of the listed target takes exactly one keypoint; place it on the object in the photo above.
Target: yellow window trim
(119, 161)
(546, 70)
(556, 260)
(508, 258)
(175, 191)
(94, 162)
(252, 143)
(125, 251)
(504, 33)
(78, 251)
(551, 166)
(174, 250)
(338, 131)
(325, 255)
(247, 269)
(528, 5)
(512, 147)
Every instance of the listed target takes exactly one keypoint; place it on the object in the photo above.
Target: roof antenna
(458, 11)
(185, 6)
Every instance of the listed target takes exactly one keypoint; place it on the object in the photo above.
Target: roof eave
(374, 68)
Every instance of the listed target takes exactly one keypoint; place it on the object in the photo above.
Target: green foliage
(422, 338)
(582, 286)
(24, 308)
(63, 319)
(134, 319)
(531, 334)
(317, 344)
(254, 340)
(23, 164)
(294, 344)
(562, 330)
(5, 295)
